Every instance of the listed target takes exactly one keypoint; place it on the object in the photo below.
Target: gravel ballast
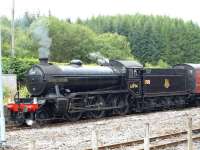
(77, 136)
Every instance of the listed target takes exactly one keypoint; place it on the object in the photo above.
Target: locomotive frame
(118, 88)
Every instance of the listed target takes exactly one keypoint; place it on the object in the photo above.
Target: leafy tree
(69, 41)
(75, 41)
(113, 46)
(160, 64)
(25, 21)
(25, 46)
(18, 66)
(153, 37)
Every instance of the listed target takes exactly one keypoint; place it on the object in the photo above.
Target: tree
(153, 37)
(75, 41)
(6, 38)
(113, 46)
(25, 21)
(69, 41)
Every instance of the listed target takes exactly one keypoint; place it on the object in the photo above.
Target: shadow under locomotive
(118, 87)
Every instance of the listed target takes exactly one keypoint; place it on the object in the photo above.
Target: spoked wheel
(121, 101)
(167, 102)
(98, 102)
(180, 101)
(194, 101)
(197, 102)
(151, 104)
(73, 116)
(42, 115)
(109, 103)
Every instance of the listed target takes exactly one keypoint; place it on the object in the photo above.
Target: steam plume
(41, 34)
(99, 58)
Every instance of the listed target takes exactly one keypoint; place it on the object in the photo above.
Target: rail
(157, 142)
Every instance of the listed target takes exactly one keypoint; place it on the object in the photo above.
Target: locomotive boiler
(47, 79)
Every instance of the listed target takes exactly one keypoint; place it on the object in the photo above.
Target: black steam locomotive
(118, 87)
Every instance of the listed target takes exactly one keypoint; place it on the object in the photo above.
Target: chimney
(43, 61)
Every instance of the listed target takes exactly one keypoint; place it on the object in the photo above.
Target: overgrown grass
(23, 92)
(6, 95)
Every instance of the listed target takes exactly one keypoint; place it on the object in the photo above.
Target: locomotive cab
(134, 80)
(133, 74)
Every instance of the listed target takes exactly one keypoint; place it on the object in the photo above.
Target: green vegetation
(113, 46)
(6, 95)
(160, 64)
(153, 37)
(18, 66)
(69, 40)
(23, 92)
(155, 41)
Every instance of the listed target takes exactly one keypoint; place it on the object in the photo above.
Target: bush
(113, 46)
(18, 66)
(160, 64)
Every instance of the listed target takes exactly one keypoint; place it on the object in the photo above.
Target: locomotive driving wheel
(41, 116)
(73, 116)
(71, 113)
(98, 103)
(121, 102)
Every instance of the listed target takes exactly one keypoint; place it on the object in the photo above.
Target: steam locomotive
(116, 88)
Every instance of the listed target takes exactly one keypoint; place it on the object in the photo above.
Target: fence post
(94, 139)
(146, 137)
(189, 133)
(32, 145)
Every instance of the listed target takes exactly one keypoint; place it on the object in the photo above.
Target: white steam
(41, 35)
(99, 58)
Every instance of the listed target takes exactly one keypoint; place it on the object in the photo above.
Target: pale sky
(185, 9)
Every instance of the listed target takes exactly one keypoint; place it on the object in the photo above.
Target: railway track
(50, 124)
(83, 128)
(54, 123)
(10, 128)
(158, 142)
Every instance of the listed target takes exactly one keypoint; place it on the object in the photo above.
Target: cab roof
(126, 63)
